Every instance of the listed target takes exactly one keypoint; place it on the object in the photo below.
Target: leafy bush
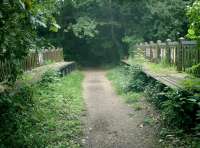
(194, 70)
(49, 76)
(15, 108)
(180, 110)
(192, 84)
(130, 78)
(19, 29)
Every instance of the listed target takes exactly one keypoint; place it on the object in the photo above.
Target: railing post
(141, 48)
(180, 55)
(41, 58)
(151, 50)
(146, 46)
(168, 52)
(158, 50)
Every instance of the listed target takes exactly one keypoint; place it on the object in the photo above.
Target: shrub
(49, 76)
(136, 78)
(180, 110)
(42, 115)
(194, 70)
(15, 106)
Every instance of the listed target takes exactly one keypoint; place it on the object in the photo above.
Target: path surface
(110, 123)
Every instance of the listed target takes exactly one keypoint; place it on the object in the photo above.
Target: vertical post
(141, 47)
(145, 49)
(168, 52)
(151, 50)
(41, 58)
(180, 55)
(158, 50)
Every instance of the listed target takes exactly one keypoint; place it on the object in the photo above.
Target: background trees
(92, 32)
(194, 17)
(97, 32)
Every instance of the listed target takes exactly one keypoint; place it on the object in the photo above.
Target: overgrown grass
(50, 119)
(121, 82)
(160, 68)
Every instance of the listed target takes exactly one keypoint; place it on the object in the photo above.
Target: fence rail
(33, 60)
(182, 54)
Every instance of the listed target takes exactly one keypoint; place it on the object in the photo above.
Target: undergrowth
(194, 70)
(122, 79)
(46, 114)
(179, 110)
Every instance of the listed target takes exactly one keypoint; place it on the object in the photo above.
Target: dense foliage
(98, 32)
(90, 31)
(19, 20)
(193, 14)
(179, 109)
(194, 70)
(44, 114)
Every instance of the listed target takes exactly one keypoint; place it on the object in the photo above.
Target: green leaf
(22, 4)
(191, 32)
(54, 27)
(192, 100)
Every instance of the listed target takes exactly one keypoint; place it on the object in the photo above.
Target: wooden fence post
(168, 52)
(179, 56)
(146, 49)
(141, 47)
(151, 50)
(158, 50)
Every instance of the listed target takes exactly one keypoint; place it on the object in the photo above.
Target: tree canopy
(19, 21)
(97, 32)
(91, 31)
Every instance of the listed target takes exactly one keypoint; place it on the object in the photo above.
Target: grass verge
(51, 117)
(120, 83)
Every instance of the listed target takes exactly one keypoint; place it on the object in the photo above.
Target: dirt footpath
(110, 123)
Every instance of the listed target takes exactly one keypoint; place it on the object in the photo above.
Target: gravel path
(110, 123)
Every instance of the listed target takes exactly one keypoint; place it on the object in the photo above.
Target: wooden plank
(165, 79)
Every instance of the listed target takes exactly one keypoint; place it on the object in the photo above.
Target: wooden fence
(33, 60)
(182, 54)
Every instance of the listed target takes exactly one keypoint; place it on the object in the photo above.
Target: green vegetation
(91, 32)
(194, 70)
(20, 21)
(179, 113)
(192, 84)
(123, 82)
(179, 110)
(160, 68)
(193, 15)
(98, 32)
(46, 114)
